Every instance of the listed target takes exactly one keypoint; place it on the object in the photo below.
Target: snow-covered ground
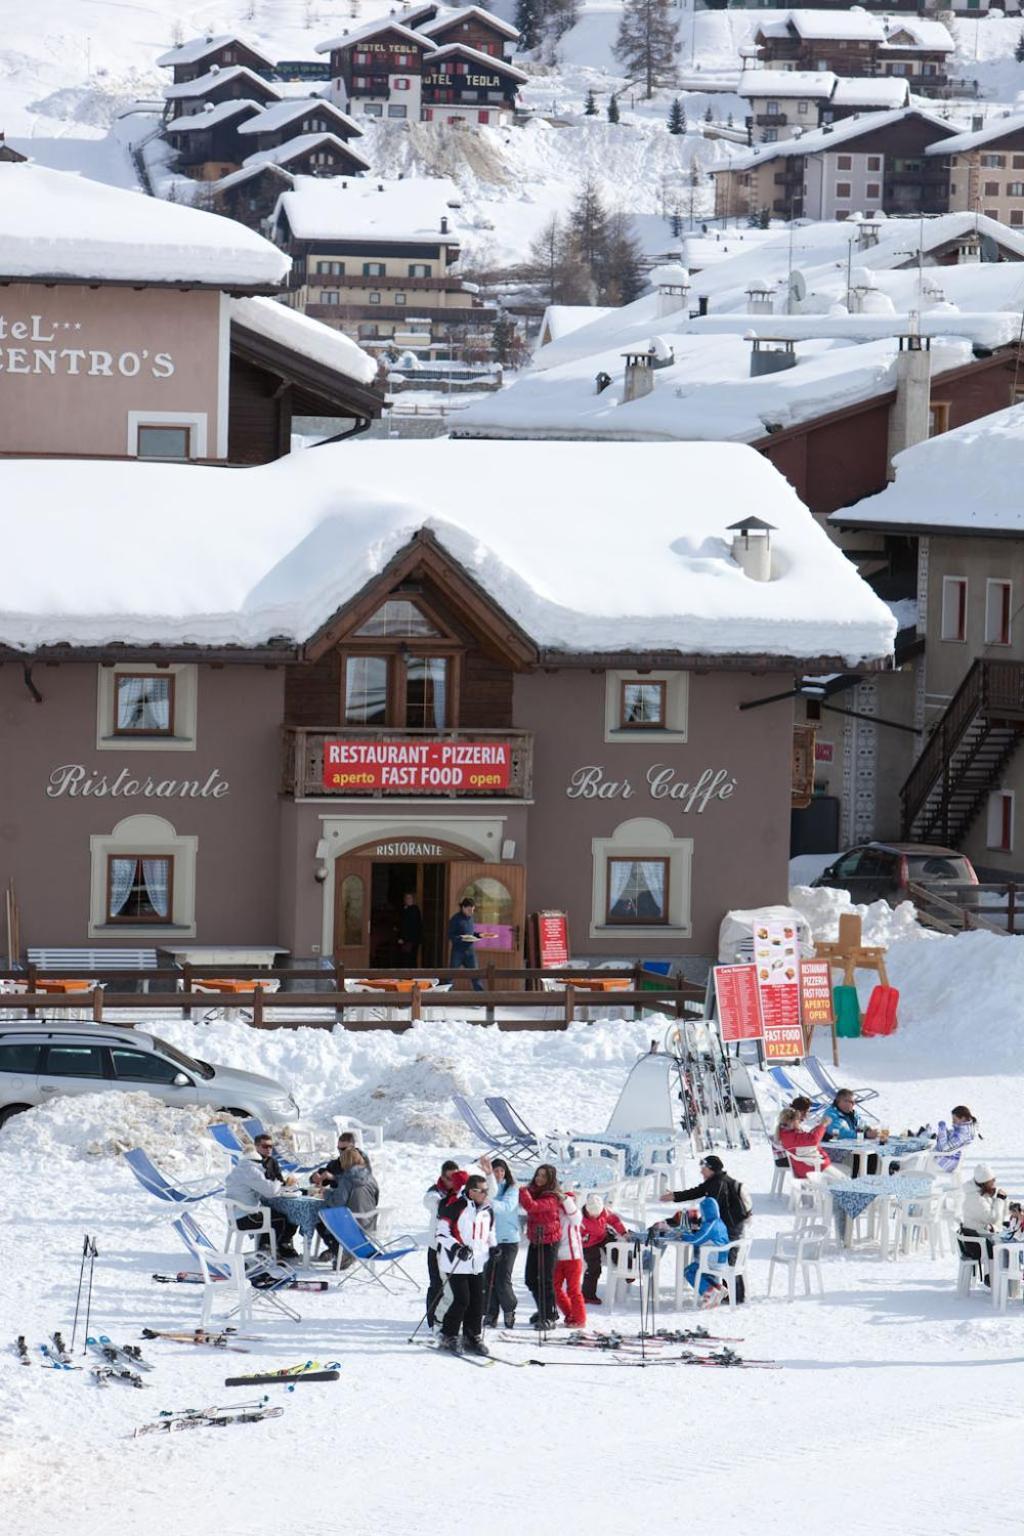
(896, 1409)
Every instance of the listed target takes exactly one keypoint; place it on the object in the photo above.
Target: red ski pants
(568, 1292)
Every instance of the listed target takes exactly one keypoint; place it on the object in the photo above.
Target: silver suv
(39, 1060)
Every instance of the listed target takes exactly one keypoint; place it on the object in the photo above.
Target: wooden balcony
(447, 776)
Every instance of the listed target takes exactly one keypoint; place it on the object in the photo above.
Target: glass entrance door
(499, 891)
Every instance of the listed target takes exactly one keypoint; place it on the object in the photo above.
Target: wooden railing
(991, 688)
(303, 767)
(957, 908)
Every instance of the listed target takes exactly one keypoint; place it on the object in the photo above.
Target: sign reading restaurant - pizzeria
(464, 767)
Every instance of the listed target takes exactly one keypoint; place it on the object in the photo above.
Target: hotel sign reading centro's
(41, 346)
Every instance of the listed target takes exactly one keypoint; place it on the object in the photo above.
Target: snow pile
(880, 923)
(413, 1101)
(85, 1126)
(961, 1002)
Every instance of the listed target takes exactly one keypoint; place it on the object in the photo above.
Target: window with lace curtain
(143, 704)
(140, 888)
(638, 891)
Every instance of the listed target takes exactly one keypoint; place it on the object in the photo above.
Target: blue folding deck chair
(226, 1139)
(516, 1126)
(503, 1144)
(154, 1182)
(254, 1128)
(823, 1080)
(789, 1085)
(378, 1262)
(266, 1276)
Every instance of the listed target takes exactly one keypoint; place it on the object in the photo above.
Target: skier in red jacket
(599, 1226)
(542, 1200)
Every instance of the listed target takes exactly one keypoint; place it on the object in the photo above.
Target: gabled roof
(247, 173)
(285, 112)
(309, 338)
(785, 83)
(453, 18)
(826, 26)
(215, 77)
(822, 140)
(199, 48)
(485, 60)
(411, 210)
(884, 92)
(371, 29)
(297, 147)
(995, 129)
(927, 35)
(198, 122)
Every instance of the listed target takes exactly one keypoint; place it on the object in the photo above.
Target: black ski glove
(462, 1253)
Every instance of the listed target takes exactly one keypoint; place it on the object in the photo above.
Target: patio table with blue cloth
(303, 1210)
(637, 1146)
(853, 1198)
(893, 1150)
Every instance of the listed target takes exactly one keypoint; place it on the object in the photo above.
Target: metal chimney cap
(748, 525)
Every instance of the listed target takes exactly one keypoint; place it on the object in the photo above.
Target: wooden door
(352, 913)
(499, 891)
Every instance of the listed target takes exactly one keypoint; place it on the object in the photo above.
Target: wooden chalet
(292, 119)
(376, 69)
(314, 154)
(250, 195)
(849, 48)
(207, 143)
(460, 84)
(201, 54)
(9, 153)
(214, 88)
(477, 28)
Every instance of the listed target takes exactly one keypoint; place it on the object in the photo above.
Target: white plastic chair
(1006, 1274)
(224, 1278)
(366, 1135)
(809, 1158)
(920, 1221)
(801, 1250)
(969, 1267)
(235, 1236)
(782, 1167)
(708, 1263)
(622, 1267)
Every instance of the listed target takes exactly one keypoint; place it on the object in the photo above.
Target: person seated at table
(734, 1205)
(983, 1215)
(254, 1180)
(951, 1140)
(346, 1142)
(706, 1229)
(355, 1187)
(794, 1134)
(599, 1227)
(842, 1123)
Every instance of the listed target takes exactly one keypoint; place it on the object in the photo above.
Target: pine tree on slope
(676, 117)
(590, 106)
(646, 44)
(613, 110)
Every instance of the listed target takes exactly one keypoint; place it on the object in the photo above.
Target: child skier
(710, 1233)
(569, 1265)
(598, 1227)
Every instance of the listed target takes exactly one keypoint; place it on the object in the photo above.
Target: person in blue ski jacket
(711, 1233)
(498, 1288)
(842, 1122)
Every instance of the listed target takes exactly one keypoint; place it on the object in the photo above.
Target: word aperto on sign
(589, 783)
(74, 780)
(32, 352)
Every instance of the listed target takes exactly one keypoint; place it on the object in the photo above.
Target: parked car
(883, 871)
(41, 1059)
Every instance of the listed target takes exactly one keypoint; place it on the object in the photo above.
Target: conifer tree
(613, 110)
(646, 44)
(590, 107)
(1018, 52)
(528, 21)
(676, 117)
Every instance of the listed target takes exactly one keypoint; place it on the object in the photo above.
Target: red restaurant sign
(552, 939)
(397, 766)
(739, 1008)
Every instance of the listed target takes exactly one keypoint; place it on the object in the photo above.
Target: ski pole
(419, 1325)
(78, 1297)
(88, 1300)
(639, 1261)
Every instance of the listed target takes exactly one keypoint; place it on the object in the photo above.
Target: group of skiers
(474, 1237)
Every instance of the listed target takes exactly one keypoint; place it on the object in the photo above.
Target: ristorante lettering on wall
(75, 780)
(42, 346)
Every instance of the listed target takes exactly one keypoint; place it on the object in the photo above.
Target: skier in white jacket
(465, 1237)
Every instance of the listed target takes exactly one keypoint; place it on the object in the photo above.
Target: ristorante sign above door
(396, 766)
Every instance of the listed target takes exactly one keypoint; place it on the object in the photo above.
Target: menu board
(777, 959)
(551, 939)
(739, 1004)
(815, 994)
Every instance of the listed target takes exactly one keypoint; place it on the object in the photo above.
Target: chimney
(770, 354)
(867, 234)
(672, 285)
(910, 416)
(977, 123)
(639, 378)
(752, 547)
(444, 224)
(760, 299)
(968, 248)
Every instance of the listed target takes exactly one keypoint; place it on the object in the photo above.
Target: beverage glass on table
(883, 1134)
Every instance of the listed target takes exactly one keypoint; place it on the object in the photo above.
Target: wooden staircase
(964, 758)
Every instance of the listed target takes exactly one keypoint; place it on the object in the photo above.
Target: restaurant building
(272, 734)
(133, 327)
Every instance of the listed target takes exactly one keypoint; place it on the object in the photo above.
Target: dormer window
(398, 619)
(400, 669)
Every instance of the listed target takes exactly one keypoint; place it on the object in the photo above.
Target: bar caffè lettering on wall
(589, 783)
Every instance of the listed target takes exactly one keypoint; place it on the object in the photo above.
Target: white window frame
(643, 838)
(951, 607)
(195, 421)
(186, 700)
(145, 836)
(993, 612)
(677, 706)
(994, 826)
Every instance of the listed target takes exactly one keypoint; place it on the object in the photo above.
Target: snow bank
(103, 1125)
(880, 923)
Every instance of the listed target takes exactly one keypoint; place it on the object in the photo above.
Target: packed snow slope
(896, 1399)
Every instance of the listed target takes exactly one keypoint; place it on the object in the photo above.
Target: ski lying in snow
(123, 1354)
(49, 1358)
(199, 1418)
(219, 1336)
(104, 1374)
(21, 1348)
(479, 1360)
(188, 1277)
(727, 1359)
(59, 1350)
(282, 1378)
(609, 1344)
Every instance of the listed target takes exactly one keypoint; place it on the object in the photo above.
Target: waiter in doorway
(410, 930)
(463, 937)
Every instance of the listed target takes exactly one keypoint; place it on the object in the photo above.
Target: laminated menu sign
(552, 939)
(815, 994)
(739, 1006)
(777, 960)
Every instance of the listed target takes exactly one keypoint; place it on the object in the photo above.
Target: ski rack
(708, 1113)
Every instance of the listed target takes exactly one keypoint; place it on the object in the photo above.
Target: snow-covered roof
(485, 60)
(324, 208)
(292, 149)
(884, 92)
(561, 319)
(853, 25)
(829, 138)
(236, 178)
(285, 112)
(371, 29)
(144, 553)
(320, 343)
(966, 480)
(200, 47)
(466, 13)
(927, 35)
(199, 122)
(995, 129)
(785, 82)
(54, 224)
(215, 77)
